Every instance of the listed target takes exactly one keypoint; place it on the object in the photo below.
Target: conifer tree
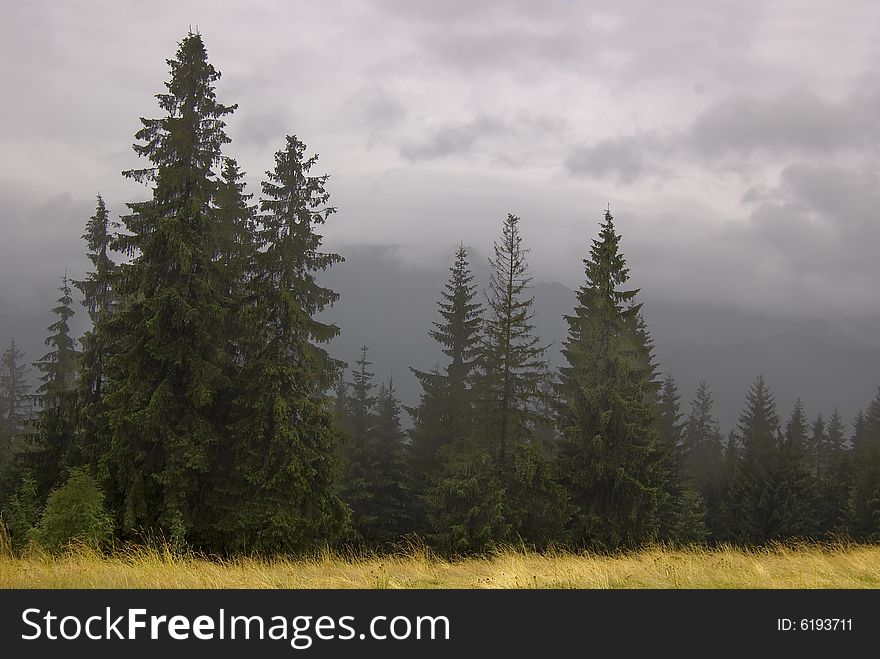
(170, 363)
(236, 254)
(510, 358)
(817, 445)
(388, 481)
(730, 511)
(771, 485)
(236, 226)
(835, 480)
(796, 483)
(15, 400)
(459, 334)
(831, 473)
(430, 432)
(57, 416)
(610, 460)
(284, 440)
(674, 505)
(865, 495)
(468, 506)
(91, 443)
(361, 417)
(703, 448)
(797, 434)
(446, 411)
(753, 484)
(669, 406)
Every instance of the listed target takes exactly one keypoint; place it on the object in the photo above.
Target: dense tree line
(202, 409)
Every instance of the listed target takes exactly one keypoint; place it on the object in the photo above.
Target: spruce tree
(678, 506)
(771, 484)
(284, 439)
(459, 334)
(58, 367)
(510, 357)
(91, 444)
(753, 487)
(610, 458)
(798, 486)
(170, 361)
(15, 400)
(817, 446)
(797, 434)
(388, 479)
(468, 507)
(834, 477)
(57, 416)
(865, 494)
(446, 411)
(430, 432)
(730, 512)
(669, 406)
(356, 491)
(703, 448)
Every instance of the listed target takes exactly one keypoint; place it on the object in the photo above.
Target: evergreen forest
(203, 408)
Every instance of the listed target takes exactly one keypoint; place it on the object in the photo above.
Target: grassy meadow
(808, 566)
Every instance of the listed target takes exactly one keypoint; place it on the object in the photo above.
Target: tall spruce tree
(753, 490)
(669, 406)
(797, 484)
(170, 360)
(833, 475)
(771, 485)
(677, 511)
(472, 512)
(865, 494)
(510, 357)
(15, 400)
(430, 431)
(389, 483)
(703, 448)
(360, 413)
(445, 413)
(57, 417)
(610, 458)
(459, 334)
(92, 441)
(797, 434)
(283, 435)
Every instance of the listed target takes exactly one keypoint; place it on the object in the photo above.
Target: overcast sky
(737, 142)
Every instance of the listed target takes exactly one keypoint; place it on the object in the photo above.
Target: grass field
(851, 566)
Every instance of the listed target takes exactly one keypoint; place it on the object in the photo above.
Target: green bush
(74, 513)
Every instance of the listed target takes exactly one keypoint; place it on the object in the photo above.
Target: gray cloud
(821, 221)
(798, 120)
(434, 119)
(624, 158)
(453, 139)
(731, 131)
(504, 139)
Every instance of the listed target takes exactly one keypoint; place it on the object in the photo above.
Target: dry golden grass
(809, 566)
